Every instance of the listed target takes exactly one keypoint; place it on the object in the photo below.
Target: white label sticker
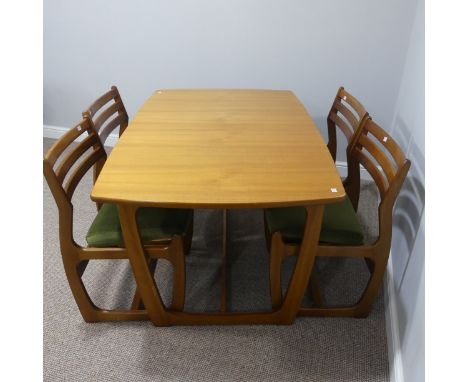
(344, 98)
(333, 190)
(384, 139)
(78, 128)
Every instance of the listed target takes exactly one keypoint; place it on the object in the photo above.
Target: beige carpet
(312, 349)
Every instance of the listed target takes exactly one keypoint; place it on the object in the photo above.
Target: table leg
(304, 265)
(297, 287)
(161, 317)
(143, 277)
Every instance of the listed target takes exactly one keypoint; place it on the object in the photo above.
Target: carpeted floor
(312, 349)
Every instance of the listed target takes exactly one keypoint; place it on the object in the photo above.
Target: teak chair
(113, 106)
(106, 114)
(165, 233)
(341, 234)
(348, 114)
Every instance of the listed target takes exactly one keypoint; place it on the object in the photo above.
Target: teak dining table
(220, 149)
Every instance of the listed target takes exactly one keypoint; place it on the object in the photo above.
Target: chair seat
(153, 223)
(340, 225)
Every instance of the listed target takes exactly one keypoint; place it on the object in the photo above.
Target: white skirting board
(392, 326)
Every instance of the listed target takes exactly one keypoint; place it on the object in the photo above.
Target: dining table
(220, 149)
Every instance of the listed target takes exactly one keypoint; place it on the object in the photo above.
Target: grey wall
(310, 47)
(408, 230)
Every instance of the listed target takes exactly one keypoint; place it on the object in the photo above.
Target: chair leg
(178, 261)
(73, 271)
(276, 259)
(364, 306)
(90, 312)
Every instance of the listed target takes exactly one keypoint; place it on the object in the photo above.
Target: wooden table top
(220, 149)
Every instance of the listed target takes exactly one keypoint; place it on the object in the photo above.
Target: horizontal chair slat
(81, 170)
(70, 160)
(388, 142)
(65, 140)
(373, 170)
(344, 127)
(378, 155)
(102, 100)
(118, 120)
(352, 101)
(106, 114)
(347, 114)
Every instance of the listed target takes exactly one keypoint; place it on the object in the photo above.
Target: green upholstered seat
(154, 223)
(340, 224)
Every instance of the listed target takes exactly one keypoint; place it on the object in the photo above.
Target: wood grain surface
(220, 149)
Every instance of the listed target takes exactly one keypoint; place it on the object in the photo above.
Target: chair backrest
(107, 113)
(346, 113)
(383, 158)
(64, 167)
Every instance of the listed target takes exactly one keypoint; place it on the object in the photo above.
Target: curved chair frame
(106, 114)
(389, 173)
(63, 180)
(347, 114)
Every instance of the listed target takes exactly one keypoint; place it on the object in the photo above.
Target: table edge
(339, 197)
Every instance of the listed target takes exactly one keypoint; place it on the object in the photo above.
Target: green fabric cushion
(154, 223)
(340, 224)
